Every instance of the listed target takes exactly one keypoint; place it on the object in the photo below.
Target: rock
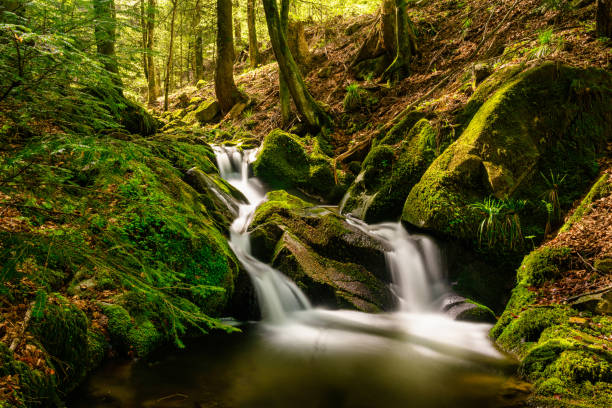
(283, 163)
(599, 303)
(518, 133)
(200, 84)
(207, 111)
(389, 172)
(480, 72)
(460, 308)
(218, 195)
(336, 264)
(182, 101)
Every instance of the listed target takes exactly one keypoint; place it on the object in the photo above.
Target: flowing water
(300, 356)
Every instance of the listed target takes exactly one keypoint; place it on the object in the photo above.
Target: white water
(418, 282)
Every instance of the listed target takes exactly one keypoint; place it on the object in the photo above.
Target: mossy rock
(337, 265)
(61, 329)
(284, 163)
(136, 338)
(389, 172)
(545, 118)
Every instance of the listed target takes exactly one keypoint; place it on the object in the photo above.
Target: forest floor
(452, 39)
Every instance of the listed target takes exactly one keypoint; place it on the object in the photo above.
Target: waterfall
(414, 260)
(278, 295)
(418, 282)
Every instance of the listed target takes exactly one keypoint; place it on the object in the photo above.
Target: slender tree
(307, 107)
(225, 87)
(170, 51)
(105, 32)
(251, 23)
(148, 33)
(198, 38)
(284, 93)
(237, 25)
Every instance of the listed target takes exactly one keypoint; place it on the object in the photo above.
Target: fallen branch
(24, 326)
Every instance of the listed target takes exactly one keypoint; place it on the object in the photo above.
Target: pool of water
(299, 366)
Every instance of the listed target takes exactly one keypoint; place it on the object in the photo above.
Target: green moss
(529, 125)
(400, 130)
(283, 163)
(62, 330)
(389, 172)
(600, 189)
(525, 330)
(131, 336)
(542, 265)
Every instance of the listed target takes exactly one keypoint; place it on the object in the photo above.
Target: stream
(302, 356)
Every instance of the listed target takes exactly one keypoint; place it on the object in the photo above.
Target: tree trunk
(253, 46)
(169, 59)
(152, 86)
(400, 67)
(225, 87)
(604, 18)
(237, 26)
(198, 60)
(388, 27)
(284, 94)
(307, 107)
(105, 32)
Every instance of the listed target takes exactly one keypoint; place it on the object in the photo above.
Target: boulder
(335, 263)
(389, 172)
(284, 163)
(544, 118)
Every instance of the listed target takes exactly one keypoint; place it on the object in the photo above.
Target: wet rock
(598, 303)
(460, 308)
(335, 263)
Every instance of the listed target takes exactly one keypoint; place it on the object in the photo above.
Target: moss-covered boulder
(285, 163)
(336, 265)
(205, 113)
(547, 118)
(389, 172)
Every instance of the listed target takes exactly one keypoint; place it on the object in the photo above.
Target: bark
(604, 18)
(284, 93)
(152, 86)
(225, 87)
(251, 23)
(388, 28)
(309, 110)
(105, 32)
(237, 25)
(169, 59)
(197, 46)
(400, 67)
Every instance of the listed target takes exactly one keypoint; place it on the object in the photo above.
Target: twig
(24, 326)
(586, 263)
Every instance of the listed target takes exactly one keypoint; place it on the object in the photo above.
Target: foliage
(501, 223)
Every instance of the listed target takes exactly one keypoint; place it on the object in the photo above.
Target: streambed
(301, 356)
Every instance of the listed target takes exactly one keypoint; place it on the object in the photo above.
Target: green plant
(501, 223)
(355, 97)
(551, 195)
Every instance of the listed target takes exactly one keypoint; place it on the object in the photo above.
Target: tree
(400, 67)
(148, 34)
(310, 111)
(604, 18)
(253, 46)
(284, 93)
(197, 46)
(105, 32)
(169, 59)
(237, 25)
(225, 87)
